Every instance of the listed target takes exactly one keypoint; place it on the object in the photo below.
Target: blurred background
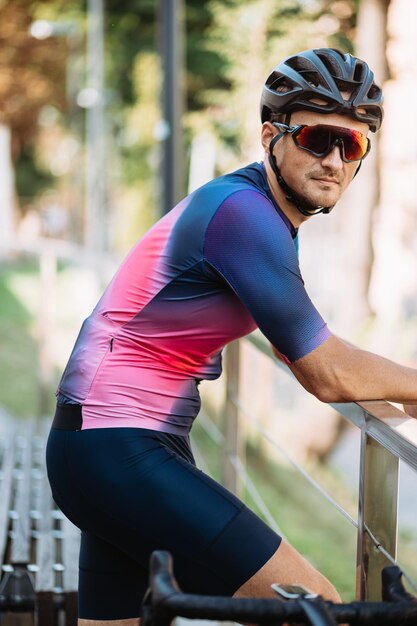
(112, 110)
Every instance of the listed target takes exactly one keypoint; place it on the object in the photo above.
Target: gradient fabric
(220, 264)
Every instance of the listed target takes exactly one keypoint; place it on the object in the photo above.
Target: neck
(296, 218)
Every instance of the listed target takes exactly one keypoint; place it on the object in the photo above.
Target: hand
(411, 410)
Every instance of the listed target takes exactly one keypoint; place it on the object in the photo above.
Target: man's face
(319, 180)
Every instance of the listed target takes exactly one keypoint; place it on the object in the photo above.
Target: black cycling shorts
(132, 491)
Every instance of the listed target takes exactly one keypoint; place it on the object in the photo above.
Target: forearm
(373, 377)
(338, 372)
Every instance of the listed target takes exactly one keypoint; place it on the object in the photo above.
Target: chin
(325, 198)
(322, 200)
(328, 201)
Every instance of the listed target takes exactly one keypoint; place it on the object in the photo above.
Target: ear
(267, 133)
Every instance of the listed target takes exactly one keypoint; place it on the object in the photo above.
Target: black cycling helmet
(323, 73)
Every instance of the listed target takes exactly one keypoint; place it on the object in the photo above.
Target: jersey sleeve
(249, 245)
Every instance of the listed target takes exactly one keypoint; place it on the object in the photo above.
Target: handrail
(387, 436)
(382, 421)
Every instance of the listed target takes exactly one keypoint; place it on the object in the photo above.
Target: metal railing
(387, 436)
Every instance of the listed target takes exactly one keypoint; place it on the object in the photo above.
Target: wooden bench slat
(46, 609)
(45, 543)
(5, 493)
(42, 542)
(71, 608)
(70, 550)
(20, 544)
(45, 581)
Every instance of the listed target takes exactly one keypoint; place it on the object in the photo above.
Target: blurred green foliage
(19, 387)
(30, 175)
(31, 71)
(229, 48)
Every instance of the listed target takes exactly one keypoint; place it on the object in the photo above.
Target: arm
(339, 372)
(248, 245)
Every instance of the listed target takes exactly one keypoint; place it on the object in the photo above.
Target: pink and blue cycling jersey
(220, 264)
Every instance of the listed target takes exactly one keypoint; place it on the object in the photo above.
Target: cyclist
(218, 265)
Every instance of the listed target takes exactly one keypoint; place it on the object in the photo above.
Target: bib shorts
(132, 491)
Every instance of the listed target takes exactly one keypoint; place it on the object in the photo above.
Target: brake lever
(293, 592)
(312, 604)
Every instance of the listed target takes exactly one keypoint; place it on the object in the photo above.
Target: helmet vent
(346, 87)
(282, 85)
(300, 64)
(374, 92)
(311, 78)
(331, 64)
(359, 72)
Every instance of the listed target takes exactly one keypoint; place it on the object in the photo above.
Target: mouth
(327, 181)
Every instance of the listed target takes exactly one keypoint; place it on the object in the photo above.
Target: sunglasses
(321, 139)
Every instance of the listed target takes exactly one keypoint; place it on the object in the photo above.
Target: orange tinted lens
(317, 139)
(321, 138)
(355, 144)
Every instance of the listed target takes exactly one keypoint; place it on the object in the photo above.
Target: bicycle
(164, 601)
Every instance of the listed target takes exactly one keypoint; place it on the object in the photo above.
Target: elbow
(329, 395)
(330, 373)
(329, 391)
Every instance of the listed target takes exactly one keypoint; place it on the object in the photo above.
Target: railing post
(378, 510)
(233, 445)
(48, 276)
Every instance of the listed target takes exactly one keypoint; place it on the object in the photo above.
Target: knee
(328, 591)
(287, 566)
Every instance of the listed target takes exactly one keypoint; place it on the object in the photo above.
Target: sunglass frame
(295, 130)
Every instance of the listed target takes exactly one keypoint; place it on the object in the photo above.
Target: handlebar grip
(317, 612)
(392, 587)
(163, 583)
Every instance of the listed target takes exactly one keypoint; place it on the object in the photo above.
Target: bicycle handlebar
(317, 612)
(164, 600)
(392, 587)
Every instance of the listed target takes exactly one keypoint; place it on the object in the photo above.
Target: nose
(333, 160)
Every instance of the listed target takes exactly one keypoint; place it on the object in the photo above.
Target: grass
(73, 296)
(19, 386)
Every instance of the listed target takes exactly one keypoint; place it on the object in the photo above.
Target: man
(217, 266)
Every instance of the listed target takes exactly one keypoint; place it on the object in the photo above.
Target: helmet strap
(302, 205)
(357, 169)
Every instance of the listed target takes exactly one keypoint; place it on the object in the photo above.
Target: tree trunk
(364, 196)
(393, 288)
(340, 244)
(6, 191)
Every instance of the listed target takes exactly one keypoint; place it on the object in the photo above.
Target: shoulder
(215, 192)
(248, 227)
(249, 211)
